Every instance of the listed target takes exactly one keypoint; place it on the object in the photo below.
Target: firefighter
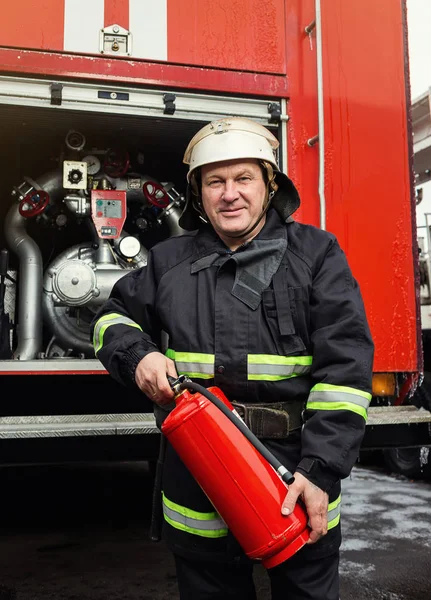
(266, 309)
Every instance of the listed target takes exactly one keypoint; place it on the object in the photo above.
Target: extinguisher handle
(284, 473)
(176, 382)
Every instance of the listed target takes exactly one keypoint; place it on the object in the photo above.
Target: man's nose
(230, 192)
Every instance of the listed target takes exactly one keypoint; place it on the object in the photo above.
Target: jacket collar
(256, 261)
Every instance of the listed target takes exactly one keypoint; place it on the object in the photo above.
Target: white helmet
(228, 139)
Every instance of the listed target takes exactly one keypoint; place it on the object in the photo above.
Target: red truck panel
(370, 203)
(116, 11)
(368, 179)
(29, 24)
(120, 71)
(245, 35)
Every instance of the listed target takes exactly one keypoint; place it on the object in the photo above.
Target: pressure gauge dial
(93, 164)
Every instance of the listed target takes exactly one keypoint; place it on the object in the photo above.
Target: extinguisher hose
(286, 475)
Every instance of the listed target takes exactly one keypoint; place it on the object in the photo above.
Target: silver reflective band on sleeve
(325, 396)
(334, 513)
(196, 365)
(106, 321)
(209, 525)
(272, 367)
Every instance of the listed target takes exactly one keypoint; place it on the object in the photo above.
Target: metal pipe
(321, 116)
(284, 158)
(171, 215)
(30, 271)
(30, 282)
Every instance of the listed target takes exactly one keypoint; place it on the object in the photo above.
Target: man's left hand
(316, 504)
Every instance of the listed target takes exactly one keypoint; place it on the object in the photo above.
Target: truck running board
(397, 426)
(379, 420)
(77, 425)
(397, 415)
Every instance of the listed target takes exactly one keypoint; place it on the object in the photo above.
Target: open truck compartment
(92, 178)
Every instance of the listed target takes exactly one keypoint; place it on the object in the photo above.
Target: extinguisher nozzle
(286, 475)
(175, 383)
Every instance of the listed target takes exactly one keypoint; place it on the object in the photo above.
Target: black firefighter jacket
(279, 319)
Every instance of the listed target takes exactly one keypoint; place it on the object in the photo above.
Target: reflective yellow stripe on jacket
(260, 367)
(106, 321)
(334, 513)
(325, 396)
(193, 364)
(272, 367)
(209, 525)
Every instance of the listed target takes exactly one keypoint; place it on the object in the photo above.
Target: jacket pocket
(279, 317)
(299, 306)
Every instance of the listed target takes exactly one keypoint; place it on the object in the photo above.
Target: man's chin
(234, 234)
(234, 228)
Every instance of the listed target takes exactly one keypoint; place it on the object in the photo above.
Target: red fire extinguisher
(244, 481)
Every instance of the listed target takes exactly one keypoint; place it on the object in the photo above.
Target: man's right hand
(151, 377)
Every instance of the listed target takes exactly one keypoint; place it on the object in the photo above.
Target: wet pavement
(81, 532)
(386, 549)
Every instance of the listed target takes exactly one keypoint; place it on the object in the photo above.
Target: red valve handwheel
(116, 163)
(156, 194)
(33, 204)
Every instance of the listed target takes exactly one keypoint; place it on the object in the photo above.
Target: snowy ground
(386, 549)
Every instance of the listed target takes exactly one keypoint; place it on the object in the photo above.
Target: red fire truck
(98, 101)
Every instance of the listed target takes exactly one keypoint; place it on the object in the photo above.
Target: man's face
(233, 193)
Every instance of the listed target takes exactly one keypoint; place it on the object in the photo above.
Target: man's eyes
(215, 182)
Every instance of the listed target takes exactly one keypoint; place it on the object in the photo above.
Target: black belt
(271, 421)
(266, 420)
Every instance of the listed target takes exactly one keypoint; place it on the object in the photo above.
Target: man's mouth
(231, 211)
